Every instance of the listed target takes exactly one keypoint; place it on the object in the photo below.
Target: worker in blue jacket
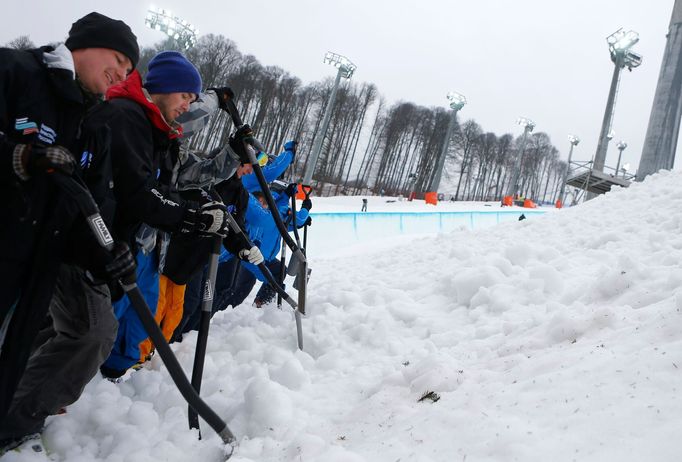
(264, 233)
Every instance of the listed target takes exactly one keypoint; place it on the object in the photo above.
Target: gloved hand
(239, 143)
(291, 190)
(119, 265)
(307, 204)
(224, 94)
(308, 222)
(30, 159)
(291, 146)
(252, 255)
(211, 218)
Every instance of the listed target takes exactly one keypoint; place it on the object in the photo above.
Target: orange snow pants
(168, 312)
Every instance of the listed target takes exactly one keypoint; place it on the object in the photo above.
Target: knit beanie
(98, 31)
(171, 72)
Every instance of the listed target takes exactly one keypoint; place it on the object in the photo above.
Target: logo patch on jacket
(86, 158)
(46, 135)
(25, 126)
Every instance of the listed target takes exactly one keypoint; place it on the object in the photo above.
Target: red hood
(131, 88)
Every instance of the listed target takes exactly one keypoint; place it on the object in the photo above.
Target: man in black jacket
(144, 136)
(44, 94)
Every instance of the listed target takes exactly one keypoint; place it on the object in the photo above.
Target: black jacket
(188, 254)
(38, 104)
(124, 142)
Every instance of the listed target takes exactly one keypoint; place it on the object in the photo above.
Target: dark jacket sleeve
(236, 199)
(135, 173)
(7, 91)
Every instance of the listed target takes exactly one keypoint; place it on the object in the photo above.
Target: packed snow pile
(552, 339)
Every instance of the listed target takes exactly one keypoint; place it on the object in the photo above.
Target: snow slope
(557, 338)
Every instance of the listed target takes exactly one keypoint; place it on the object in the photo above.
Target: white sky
(545, 60)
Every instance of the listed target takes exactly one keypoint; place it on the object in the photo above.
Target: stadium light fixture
(345, 68)
(621, 147)
(179, 30)
(344, 65)
(620, 44)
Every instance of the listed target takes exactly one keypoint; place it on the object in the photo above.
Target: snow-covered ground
(557, 338)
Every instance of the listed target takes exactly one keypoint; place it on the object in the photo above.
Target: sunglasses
(262, 159)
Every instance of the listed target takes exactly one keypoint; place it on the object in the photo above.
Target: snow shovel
(272, 281)
(297, 262)
(78, 191)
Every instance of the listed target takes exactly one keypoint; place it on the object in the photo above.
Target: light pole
(660, 143)
(457, 102)
(184, 33)
(621, 147)
(345, 70)
(528, 126)
(620, 43)
(574, 140)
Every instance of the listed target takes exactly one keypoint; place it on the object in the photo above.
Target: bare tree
(23, 42)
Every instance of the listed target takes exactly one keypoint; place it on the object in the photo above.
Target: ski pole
(78, 191)
(205, 322)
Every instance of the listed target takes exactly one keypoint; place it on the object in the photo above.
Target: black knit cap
(98, 31)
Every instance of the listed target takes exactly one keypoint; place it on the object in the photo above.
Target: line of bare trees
(370, 147)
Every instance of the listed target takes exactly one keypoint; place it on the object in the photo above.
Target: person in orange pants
(168, 313)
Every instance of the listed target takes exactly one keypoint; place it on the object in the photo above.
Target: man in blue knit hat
(139, 120)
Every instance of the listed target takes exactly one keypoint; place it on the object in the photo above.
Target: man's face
(172, 105)
(244, 169)
(263, 202)
(100, 68)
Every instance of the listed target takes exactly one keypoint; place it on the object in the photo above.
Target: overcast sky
(545, 60)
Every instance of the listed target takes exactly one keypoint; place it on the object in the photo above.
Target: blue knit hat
(171, 72)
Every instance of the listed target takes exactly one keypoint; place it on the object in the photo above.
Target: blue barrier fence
(331, 230)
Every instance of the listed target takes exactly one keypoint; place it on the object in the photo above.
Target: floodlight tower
(457, 102)
(345, 70)
(184, 33)
(574, 140)
(621, 147)
(619, 43)
(528, 126)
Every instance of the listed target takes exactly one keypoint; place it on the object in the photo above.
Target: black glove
(224, 95)
(30, 159)
(119, 264)
(239, 143)
(308, 222)
(211, 218)
(307, 204)
(291, 146)
(291, 190)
